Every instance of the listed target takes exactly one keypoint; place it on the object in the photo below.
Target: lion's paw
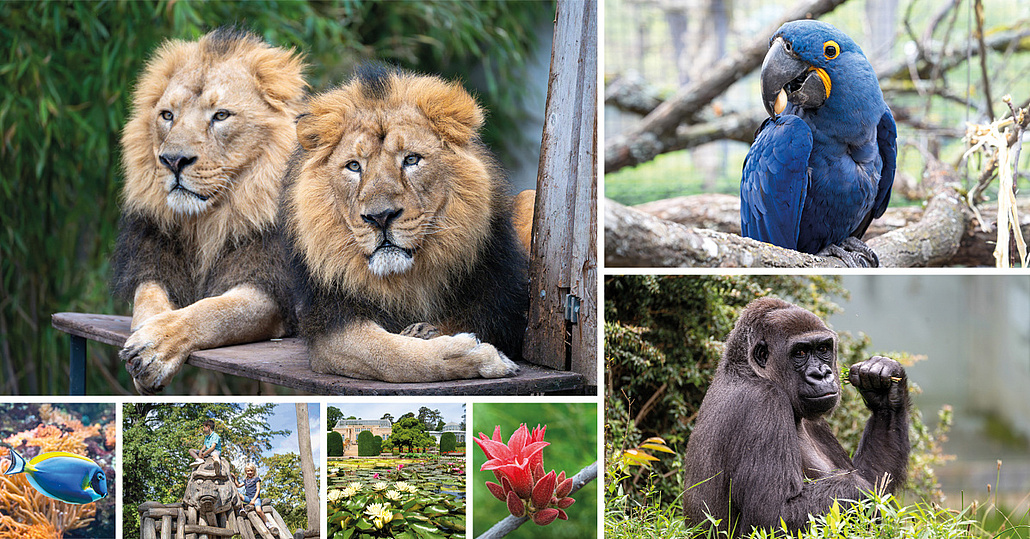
(492, 363)
(154, 354)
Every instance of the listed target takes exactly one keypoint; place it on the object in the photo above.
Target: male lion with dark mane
(408, 267)
(211, 131)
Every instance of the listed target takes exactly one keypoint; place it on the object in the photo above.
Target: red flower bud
(497, 491)
(564, 488)
(545, 516)
(564, 503)
(562, 515)
(516, 506)
(543, 490)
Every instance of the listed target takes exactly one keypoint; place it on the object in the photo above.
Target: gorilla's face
(813, 358)
(799, 353)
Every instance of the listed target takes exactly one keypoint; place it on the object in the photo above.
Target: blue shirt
(250, 486)
(213, 440)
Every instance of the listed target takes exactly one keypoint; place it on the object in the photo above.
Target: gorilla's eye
(220, 115)
(412, 160)
(353, 166)
(167, 115)
(831, 49)
(823, 348)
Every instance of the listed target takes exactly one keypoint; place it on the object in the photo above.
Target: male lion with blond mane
(409, 269)
(211, 131)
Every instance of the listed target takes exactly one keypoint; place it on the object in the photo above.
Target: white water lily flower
(401, 486)
(380, 513)
(348, 492)
(393, 495)
(335, 495)
(380, 486)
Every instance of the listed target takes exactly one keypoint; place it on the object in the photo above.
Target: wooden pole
(166, 527)
(307, 467)
(148, 530)
(180, 531)
(563, 265)
(284, 530)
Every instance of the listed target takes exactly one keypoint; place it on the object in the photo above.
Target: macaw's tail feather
(17, 462)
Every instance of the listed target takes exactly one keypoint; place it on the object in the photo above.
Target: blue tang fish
(63, 476)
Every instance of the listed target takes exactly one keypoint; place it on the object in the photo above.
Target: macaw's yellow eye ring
(831, 49)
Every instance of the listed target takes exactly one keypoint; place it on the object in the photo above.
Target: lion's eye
(167, 115)
(353, 166)
(412, 160)
(220, 115)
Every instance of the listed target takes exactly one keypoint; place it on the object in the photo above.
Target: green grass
(875, 517)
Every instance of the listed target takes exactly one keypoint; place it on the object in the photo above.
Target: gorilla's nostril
(176, 162)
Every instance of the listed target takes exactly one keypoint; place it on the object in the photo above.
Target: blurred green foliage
(67, 70)
(572, 433)
(283, 487)
(663, 340)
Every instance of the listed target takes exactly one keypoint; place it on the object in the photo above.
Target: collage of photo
(448, 269)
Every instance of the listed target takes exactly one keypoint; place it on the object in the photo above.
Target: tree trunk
(307, 467)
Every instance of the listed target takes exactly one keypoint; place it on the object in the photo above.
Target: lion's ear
(307, 132)
(453, 112)
(280, 76)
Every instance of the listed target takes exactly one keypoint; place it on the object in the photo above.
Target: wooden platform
(285, 362)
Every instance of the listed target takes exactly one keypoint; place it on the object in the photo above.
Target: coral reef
(25, 512)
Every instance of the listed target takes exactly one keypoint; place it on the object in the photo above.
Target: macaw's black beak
(785, 77)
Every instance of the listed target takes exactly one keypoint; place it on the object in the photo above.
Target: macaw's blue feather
(775, 182)
(817, 174)
(66, 477)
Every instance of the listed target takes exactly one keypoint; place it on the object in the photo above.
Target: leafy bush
(378, 445)
(366, 444)
(447, 442)
(334, 444)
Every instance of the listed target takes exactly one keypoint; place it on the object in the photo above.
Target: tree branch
(642, 143)
(511, 522)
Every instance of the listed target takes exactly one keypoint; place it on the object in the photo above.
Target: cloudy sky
(452, 412)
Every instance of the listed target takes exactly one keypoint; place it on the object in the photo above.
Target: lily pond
(397, 497)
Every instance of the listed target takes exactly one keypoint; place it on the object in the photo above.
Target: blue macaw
(822, 166)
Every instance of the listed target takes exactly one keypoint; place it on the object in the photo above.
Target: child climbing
(251, 486)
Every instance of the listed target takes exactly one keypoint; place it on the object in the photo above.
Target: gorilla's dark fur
(761, 450)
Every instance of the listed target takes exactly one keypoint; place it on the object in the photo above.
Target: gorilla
(761, 449)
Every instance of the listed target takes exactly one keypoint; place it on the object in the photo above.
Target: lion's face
(212, 127)
(394, 187)
(203, 141)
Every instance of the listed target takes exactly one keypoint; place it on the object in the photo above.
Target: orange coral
(110, 436)
(52, 438)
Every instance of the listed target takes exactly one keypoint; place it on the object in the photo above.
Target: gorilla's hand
(882, 383)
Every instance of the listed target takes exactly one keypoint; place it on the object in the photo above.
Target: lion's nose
(176, 162)
(382, 219)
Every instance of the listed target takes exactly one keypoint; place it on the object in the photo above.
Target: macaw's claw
(853, 252)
